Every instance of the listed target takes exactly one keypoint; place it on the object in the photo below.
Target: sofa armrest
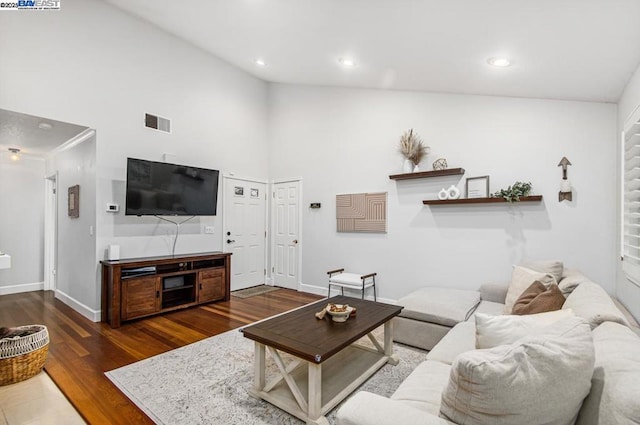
(366, 408)
(494, 292)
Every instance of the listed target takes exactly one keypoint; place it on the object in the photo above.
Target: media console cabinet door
(140, 296)
(211, 285)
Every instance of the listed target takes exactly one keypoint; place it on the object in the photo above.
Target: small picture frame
(255, 193)
(74, 201)
(477, 187)
(238, 191)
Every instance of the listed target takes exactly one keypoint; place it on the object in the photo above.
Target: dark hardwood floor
(81, 351)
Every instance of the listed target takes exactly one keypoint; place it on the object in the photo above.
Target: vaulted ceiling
(560, 49)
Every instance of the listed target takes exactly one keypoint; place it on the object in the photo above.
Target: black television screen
(160, 188)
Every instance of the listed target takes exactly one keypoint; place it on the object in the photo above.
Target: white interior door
(50, 233)
(286, 234)
(244, 217)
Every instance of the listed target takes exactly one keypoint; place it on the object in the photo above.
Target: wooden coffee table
(328, 365)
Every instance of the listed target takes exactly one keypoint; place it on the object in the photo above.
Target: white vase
(407, 166)
(416, 168)
(443, 194)
(453, 192)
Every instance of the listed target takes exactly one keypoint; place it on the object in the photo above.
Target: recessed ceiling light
(347, 62)
(260, 62)
(499, 62)
(14, 153)
(45, 126)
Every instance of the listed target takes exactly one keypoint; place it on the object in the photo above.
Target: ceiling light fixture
(14, 153)
(260, 62)
(347, 63)
(45, 126)
(499, 62)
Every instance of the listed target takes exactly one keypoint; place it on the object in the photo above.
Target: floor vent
(157, 123)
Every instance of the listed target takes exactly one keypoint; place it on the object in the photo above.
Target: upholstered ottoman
(429, 313)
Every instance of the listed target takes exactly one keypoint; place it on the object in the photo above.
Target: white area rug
(207, 383)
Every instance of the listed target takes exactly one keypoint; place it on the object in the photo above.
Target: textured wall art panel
(362, 212)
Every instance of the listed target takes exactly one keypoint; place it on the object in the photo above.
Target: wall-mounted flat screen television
(160, 188)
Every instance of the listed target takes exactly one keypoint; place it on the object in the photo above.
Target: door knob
(230, 240)
(295, 242)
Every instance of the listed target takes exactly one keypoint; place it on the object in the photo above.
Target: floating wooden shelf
(534, 198)
(426, 174)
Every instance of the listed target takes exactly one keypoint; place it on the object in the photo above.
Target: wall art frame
(362, 212)
(74, 201)
(477, 187)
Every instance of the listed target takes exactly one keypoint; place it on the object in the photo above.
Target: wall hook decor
(565, 184)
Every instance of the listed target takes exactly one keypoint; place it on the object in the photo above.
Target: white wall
(76, 250)
(22, 218)
(92, 64)
(345, 141)
(627, 292)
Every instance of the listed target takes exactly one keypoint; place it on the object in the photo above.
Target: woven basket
(23, 357)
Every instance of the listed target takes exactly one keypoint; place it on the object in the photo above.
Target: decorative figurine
(440, 164)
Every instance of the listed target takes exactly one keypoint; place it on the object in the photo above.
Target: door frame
(272, 226)
(226, 176)
(50, 231)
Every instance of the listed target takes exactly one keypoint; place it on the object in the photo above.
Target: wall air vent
(157, 123)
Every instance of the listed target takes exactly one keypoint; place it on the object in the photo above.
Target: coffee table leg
(315, 395)
(388, 343)
(259, 367)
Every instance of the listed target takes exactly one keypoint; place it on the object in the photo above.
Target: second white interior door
(286, 234)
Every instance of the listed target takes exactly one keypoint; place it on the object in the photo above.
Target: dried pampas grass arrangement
(412, 147)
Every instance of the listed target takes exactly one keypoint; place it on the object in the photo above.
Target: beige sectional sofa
(610, 356)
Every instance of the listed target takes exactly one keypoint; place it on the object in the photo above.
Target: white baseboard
(268, 281)
(93, 315)
(322, 290)
(25, 287)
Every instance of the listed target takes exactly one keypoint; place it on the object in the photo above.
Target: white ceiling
(561, 49)
(22, 131)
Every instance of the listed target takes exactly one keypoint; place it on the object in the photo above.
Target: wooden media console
(140, 287)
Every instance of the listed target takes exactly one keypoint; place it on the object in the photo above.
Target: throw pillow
(554, 268)
(521, 279)
(541, 379)
(492, 331)
(539, 299)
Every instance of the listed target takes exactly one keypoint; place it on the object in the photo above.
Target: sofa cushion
(494, 292)
(492, 331)
(615, 386)
(590, 301)
(521, 279)
(367, 408)
(537, 299)
(489, 307)
(541, 379)
(443, 306)
(460, 339)
(553, 267)
(423, 387)
(570, 281)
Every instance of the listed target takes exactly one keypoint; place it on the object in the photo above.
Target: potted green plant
(514, 192)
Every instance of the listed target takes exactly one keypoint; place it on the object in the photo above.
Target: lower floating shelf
(534, 198)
